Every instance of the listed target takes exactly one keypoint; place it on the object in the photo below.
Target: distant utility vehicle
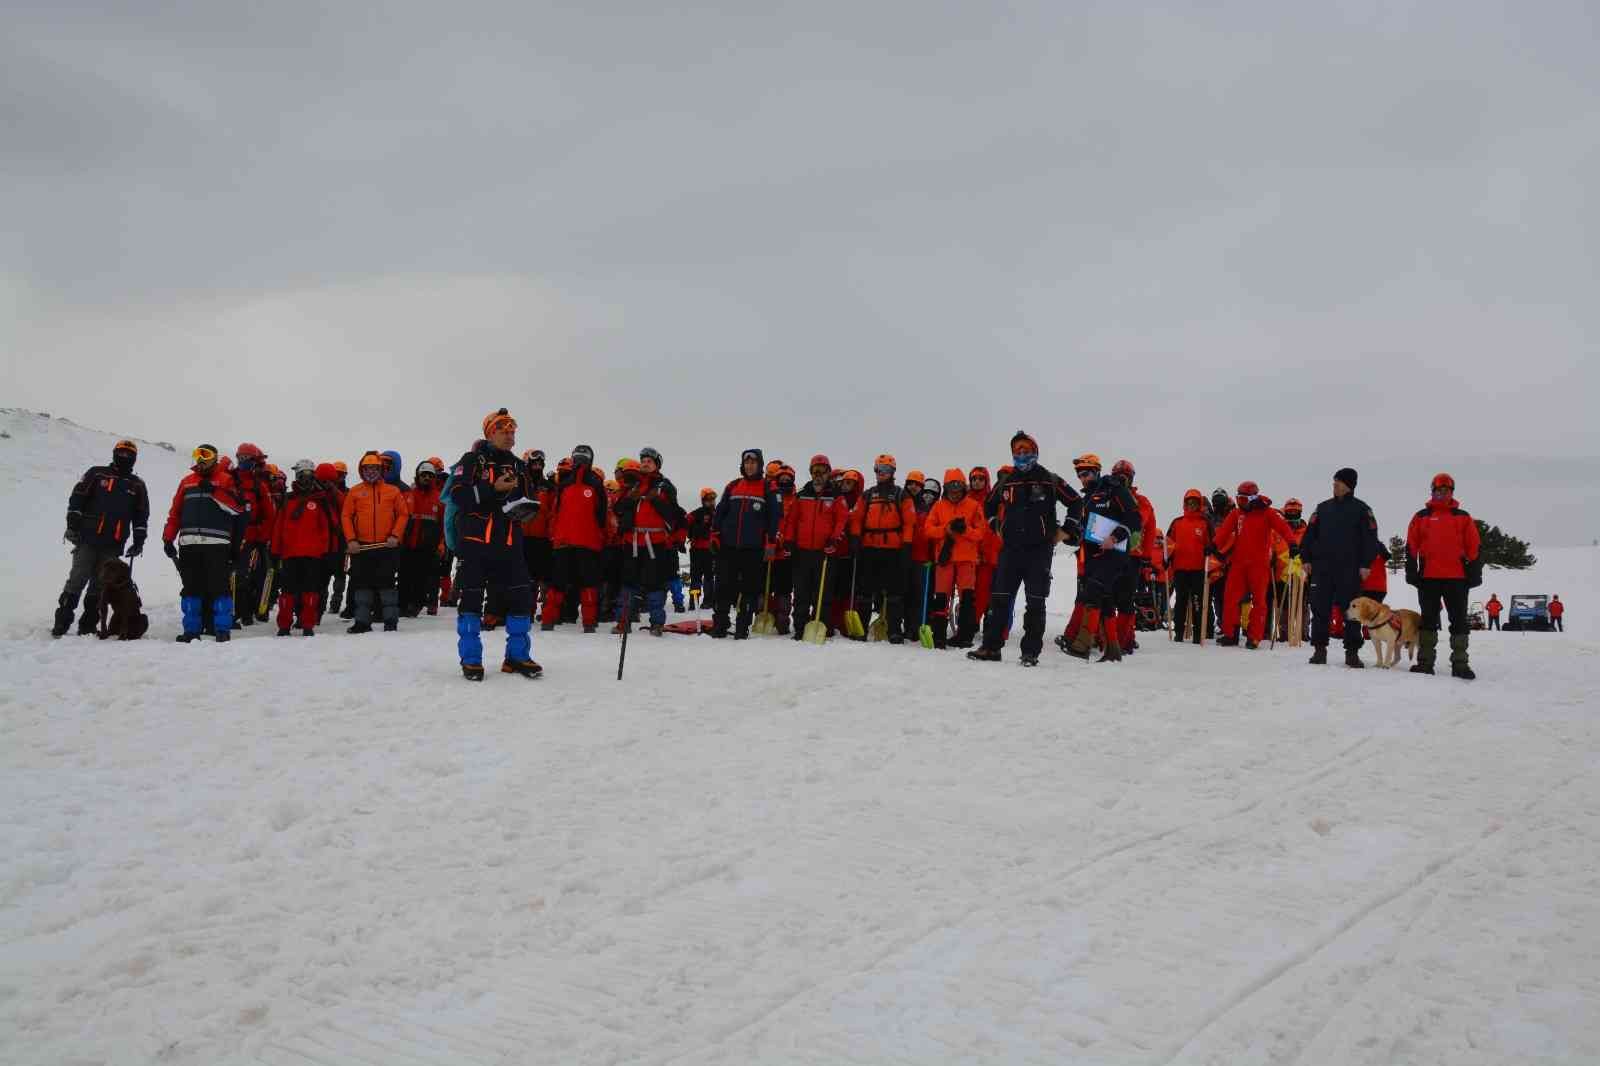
(1528, 612)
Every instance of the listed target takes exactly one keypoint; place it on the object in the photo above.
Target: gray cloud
(1255, 241)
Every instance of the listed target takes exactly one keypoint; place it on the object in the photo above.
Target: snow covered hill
(334, 851)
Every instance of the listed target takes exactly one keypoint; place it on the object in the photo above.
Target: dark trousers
(1434, 594)
(1555, 620)
(87, 558)
(539, 556)
(647, 577)
(301, 575)
(372, 581)
(1494, 621)
(503, 569)
(702, 573)
(250, 574)
(1186, 613)
(916, 574)
(807, 570)
(740, 573)
(880, 577)
(419, 580)
(1030, 569)
(1330, 590)
(206, 574)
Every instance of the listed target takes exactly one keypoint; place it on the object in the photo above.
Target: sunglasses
(1088, 471)
(883, 468)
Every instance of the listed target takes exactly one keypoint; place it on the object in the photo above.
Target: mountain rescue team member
(1104, 564)
(335, 602)
(1339, 543)
(702, 559)
(848, 485)
(1246, 537)
(1024, 504)
(648, 518)
(204, 530)
(1442, 562)
(373, 519)
(1138, 562)
(305, 532)
(882, 526)
(1492, 610)
(577, 536)
(1287, 561)
(253, 483)
(746, 523)
(989, 550)
(108, 504)
(956, 530)
(537, 549)
(1558, 610)
(1188, 544)
(492, 495)
(1376, 584)
(919, 574)
(782, 597)
(423, 542)
(813, 529)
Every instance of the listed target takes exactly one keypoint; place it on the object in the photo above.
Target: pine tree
(1498, 548)
(1397, 554)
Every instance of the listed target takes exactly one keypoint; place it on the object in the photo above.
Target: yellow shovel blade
(852, 624)
(816, 633)
(765, 624)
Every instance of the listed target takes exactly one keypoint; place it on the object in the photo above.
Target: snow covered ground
(334, 851)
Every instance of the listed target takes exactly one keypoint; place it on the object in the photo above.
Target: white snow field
(333, 850)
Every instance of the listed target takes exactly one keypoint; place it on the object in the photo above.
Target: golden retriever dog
(120, 615)
(1389, 629)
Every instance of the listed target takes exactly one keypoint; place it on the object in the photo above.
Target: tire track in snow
(1278, 971)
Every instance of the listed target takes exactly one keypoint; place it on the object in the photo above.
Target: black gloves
(137, 549)
(958, 526)
(71, 536)
(1071, 530)
(170, 548)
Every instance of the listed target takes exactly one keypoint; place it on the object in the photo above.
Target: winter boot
(1427, 651)
(1231, 641)
(472, 671)
(966, 624)
(1319, 656)
(389, 600)
(1352, 658)
(66, 607)
(1113, 649)
(1458, 658)
(526, 667)
(1078, 648)
(781, 614)
(984, 655)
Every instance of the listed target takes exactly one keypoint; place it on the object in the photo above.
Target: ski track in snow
(334, 851)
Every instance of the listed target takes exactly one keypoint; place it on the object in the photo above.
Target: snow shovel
(925, 631)
(765, 624)
(879, 630)
(852, 617)
(817, 630)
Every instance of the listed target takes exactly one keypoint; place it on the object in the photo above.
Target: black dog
(120, 615)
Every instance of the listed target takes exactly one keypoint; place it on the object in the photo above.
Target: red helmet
(247, 451)
(1443, 481)
(1194, 496)
(818, 460)
(1292, 504)
(1123, 468)
(1248, 488)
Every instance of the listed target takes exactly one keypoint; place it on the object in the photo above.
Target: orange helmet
(853, 475)
(125, 446)
(438, 463)
(916, 475)
(1086, 461)
(341, 467)
(495, 421)
(885, 460)
(1194, 496)
(708, 492)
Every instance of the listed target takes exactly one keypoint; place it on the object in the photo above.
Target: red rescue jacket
(1442, 538)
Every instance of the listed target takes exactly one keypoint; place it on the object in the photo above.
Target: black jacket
(1025, 502)
(1342, 536)
(106, 505)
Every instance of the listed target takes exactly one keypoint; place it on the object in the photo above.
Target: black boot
(1319, 655)
(1352, 658)
(1459, 667)
(91, 609)
(1427, 651)
(66, 607)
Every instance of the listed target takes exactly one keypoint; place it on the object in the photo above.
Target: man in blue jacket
(1340, 542)
(1024, 506)
(745, 526)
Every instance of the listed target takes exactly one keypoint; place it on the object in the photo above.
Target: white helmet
(304, 466)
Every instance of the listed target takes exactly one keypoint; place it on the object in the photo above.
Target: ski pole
(627, 627)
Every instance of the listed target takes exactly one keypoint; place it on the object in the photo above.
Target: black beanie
(1346, 475)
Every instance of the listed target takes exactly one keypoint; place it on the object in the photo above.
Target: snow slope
(335, 851)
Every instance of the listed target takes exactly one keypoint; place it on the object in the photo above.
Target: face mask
(1024, 461)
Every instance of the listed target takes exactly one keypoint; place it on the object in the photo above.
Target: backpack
(450, 513)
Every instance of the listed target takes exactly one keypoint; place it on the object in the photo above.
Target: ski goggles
(882, 469)
(205, 455)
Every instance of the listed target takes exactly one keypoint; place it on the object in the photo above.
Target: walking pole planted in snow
(627, 627)
(1205, 598)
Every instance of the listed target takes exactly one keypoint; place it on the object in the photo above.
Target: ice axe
(765, 624)
(816, 631)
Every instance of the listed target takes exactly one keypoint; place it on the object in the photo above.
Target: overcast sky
(1230, 240)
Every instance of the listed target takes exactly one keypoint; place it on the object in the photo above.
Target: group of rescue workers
(498, 536)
